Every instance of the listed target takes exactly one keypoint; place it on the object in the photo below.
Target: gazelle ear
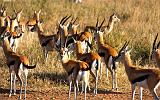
(61, 26)
(76, 25)
(127, 50)
(67, 24)
(39, 11)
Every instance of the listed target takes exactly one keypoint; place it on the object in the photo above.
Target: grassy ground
(139, 23)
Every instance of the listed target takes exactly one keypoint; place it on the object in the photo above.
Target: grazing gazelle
(92, 59)
(108, 53)
(155, 54)
(77, 70)
(144, 78)
(18, 66)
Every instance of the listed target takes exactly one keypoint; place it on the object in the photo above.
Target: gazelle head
(18, 14)
(124, 51)
(72, 28)
(155, 54)
(64, 51)
(37, 27)
(99, 32)
(81, 46)
(2, 11)
(114, 18)
(36, 15)
(14, 24)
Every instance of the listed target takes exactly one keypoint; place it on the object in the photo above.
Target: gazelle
(15, 30)
(18, 66)
(155, 54)
(71, 30)
(144, 78)
(47, 42)
(108, 53)
(2, 11)
(107, 29)
(33, 21)
(92, 59)
(77, 70)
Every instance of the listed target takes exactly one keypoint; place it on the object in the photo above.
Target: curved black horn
(102, 23)
(124, 46)
(97, 22)
(63, 19)
(154, 42)
(66, 19)
(75, 20)
(158, 44)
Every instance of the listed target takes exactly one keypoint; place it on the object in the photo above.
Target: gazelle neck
(2, 21)
(79, 49)
(128, 64)
(100, 39)
(110, 26)
(6, 46)
(65, 59)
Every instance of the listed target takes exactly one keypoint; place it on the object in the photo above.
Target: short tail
(29, 67)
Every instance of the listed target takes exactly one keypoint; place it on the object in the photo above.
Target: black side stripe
(70, 72)
(140, 79)
(46, 42)
(11, 63)
(69, 42)
(101, 54)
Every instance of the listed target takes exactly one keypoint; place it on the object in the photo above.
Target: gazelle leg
(133, 90)
(140, 92)
(82, 87)
(70, 88)
(21, 83)
(107, 73)
(14, 84)
(116, 81)
(100, 71)
(154, 92)
(96, 83)
(11, 79)
(85, 89)
(25, 85)
(75, 91)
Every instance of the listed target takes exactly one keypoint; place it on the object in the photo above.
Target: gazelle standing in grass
(92, 59)
(108, 28)
(71, 30)
(144, 78)
(18, 66)
(108, 53)
(77, 70)
(47, 42)
(155, 54)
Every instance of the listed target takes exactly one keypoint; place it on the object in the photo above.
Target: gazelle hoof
(14, 93)
(10, 95)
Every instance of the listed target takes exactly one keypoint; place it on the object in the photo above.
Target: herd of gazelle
(67, 40)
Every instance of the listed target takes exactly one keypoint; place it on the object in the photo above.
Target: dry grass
(139, 23)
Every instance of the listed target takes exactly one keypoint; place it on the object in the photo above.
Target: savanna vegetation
(140, 22)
